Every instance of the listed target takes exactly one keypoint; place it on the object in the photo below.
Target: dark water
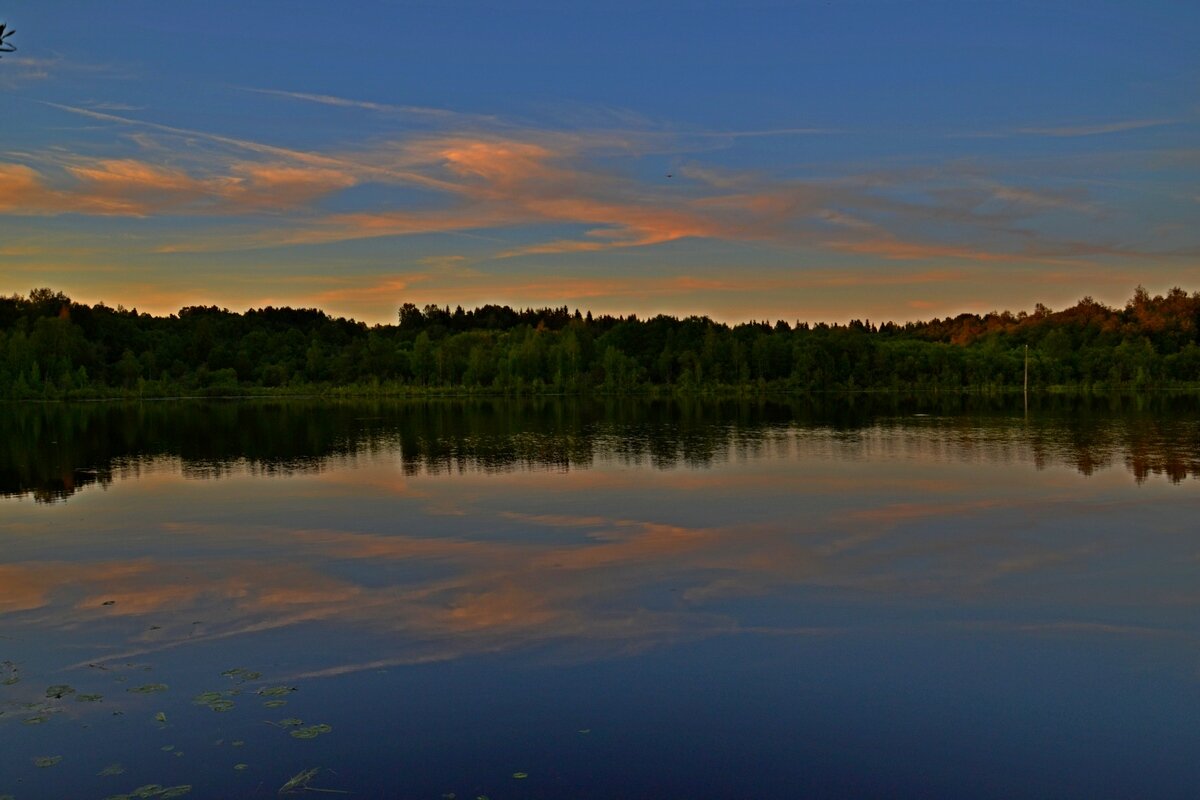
(846, 597)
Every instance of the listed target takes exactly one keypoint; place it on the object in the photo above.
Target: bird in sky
(5, 47)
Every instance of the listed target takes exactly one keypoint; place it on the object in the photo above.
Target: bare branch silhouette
(5, 45)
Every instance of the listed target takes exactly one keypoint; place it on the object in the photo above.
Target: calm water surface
(624, 600)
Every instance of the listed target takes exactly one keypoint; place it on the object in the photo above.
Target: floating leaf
(291, 722)
(275, 704)
(217, 701)
(149, 688)
(299, 781)
(276, 691)
(585, 730)
(111, 769)
(109, 603)
(236, 743)
(89, 698)
(46, 761)
(166, 748)
(175, 791)
(35, 720)
(11, 680)
(160, 717)
(520, 775)
(59, 691)
(241, 767)
(312, 731)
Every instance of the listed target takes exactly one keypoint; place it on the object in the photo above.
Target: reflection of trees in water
(52, 451)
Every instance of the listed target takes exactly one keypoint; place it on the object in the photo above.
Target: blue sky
(820, 160)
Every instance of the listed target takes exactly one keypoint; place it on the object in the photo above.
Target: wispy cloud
(23, 70)
(109, 105)
(577, 184)
(302, 156)
(1095, 129)
(439, 114)
(1067, 131)
(129, 187)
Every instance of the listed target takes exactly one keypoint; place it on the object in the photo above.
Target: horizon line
(1039, 309)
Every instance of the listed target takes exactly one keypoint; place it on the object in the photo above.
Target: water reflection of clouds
(541, 558)
(829, 528)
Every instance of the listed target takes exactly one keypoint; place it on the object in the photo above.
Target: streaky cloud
(258, 147)
(1096, 129)
(368, 105)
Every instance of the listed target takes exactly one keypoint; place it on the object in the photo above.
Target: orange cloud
(128, 187)
(522, 178)
(897, 250)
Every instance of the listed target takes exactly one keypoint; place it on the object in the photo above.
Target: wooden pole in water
(1026, 379)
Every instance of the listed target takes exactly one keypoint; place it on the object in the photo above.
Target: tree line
(53, 347)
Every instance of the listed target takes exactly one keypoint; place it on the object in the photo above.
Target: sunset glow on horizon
(812, 161)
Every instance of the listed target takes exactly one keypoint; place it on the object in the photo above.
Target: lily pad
(311, 731)
(241, 767)
(35, 720)
(46, 761)
(89, 698)
(520, 775)
(236, 743)
(59, 691)
(111, 769)
(149, 688)
(175, 791)
(161, 718)
(275, 704)
(276, 691)
(166, 748)
(216, 701)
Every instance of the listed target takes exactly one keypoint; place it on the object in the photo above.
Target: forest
(54, 348)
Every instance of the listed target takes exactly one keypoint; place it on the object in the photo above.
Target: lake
(844, 596)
